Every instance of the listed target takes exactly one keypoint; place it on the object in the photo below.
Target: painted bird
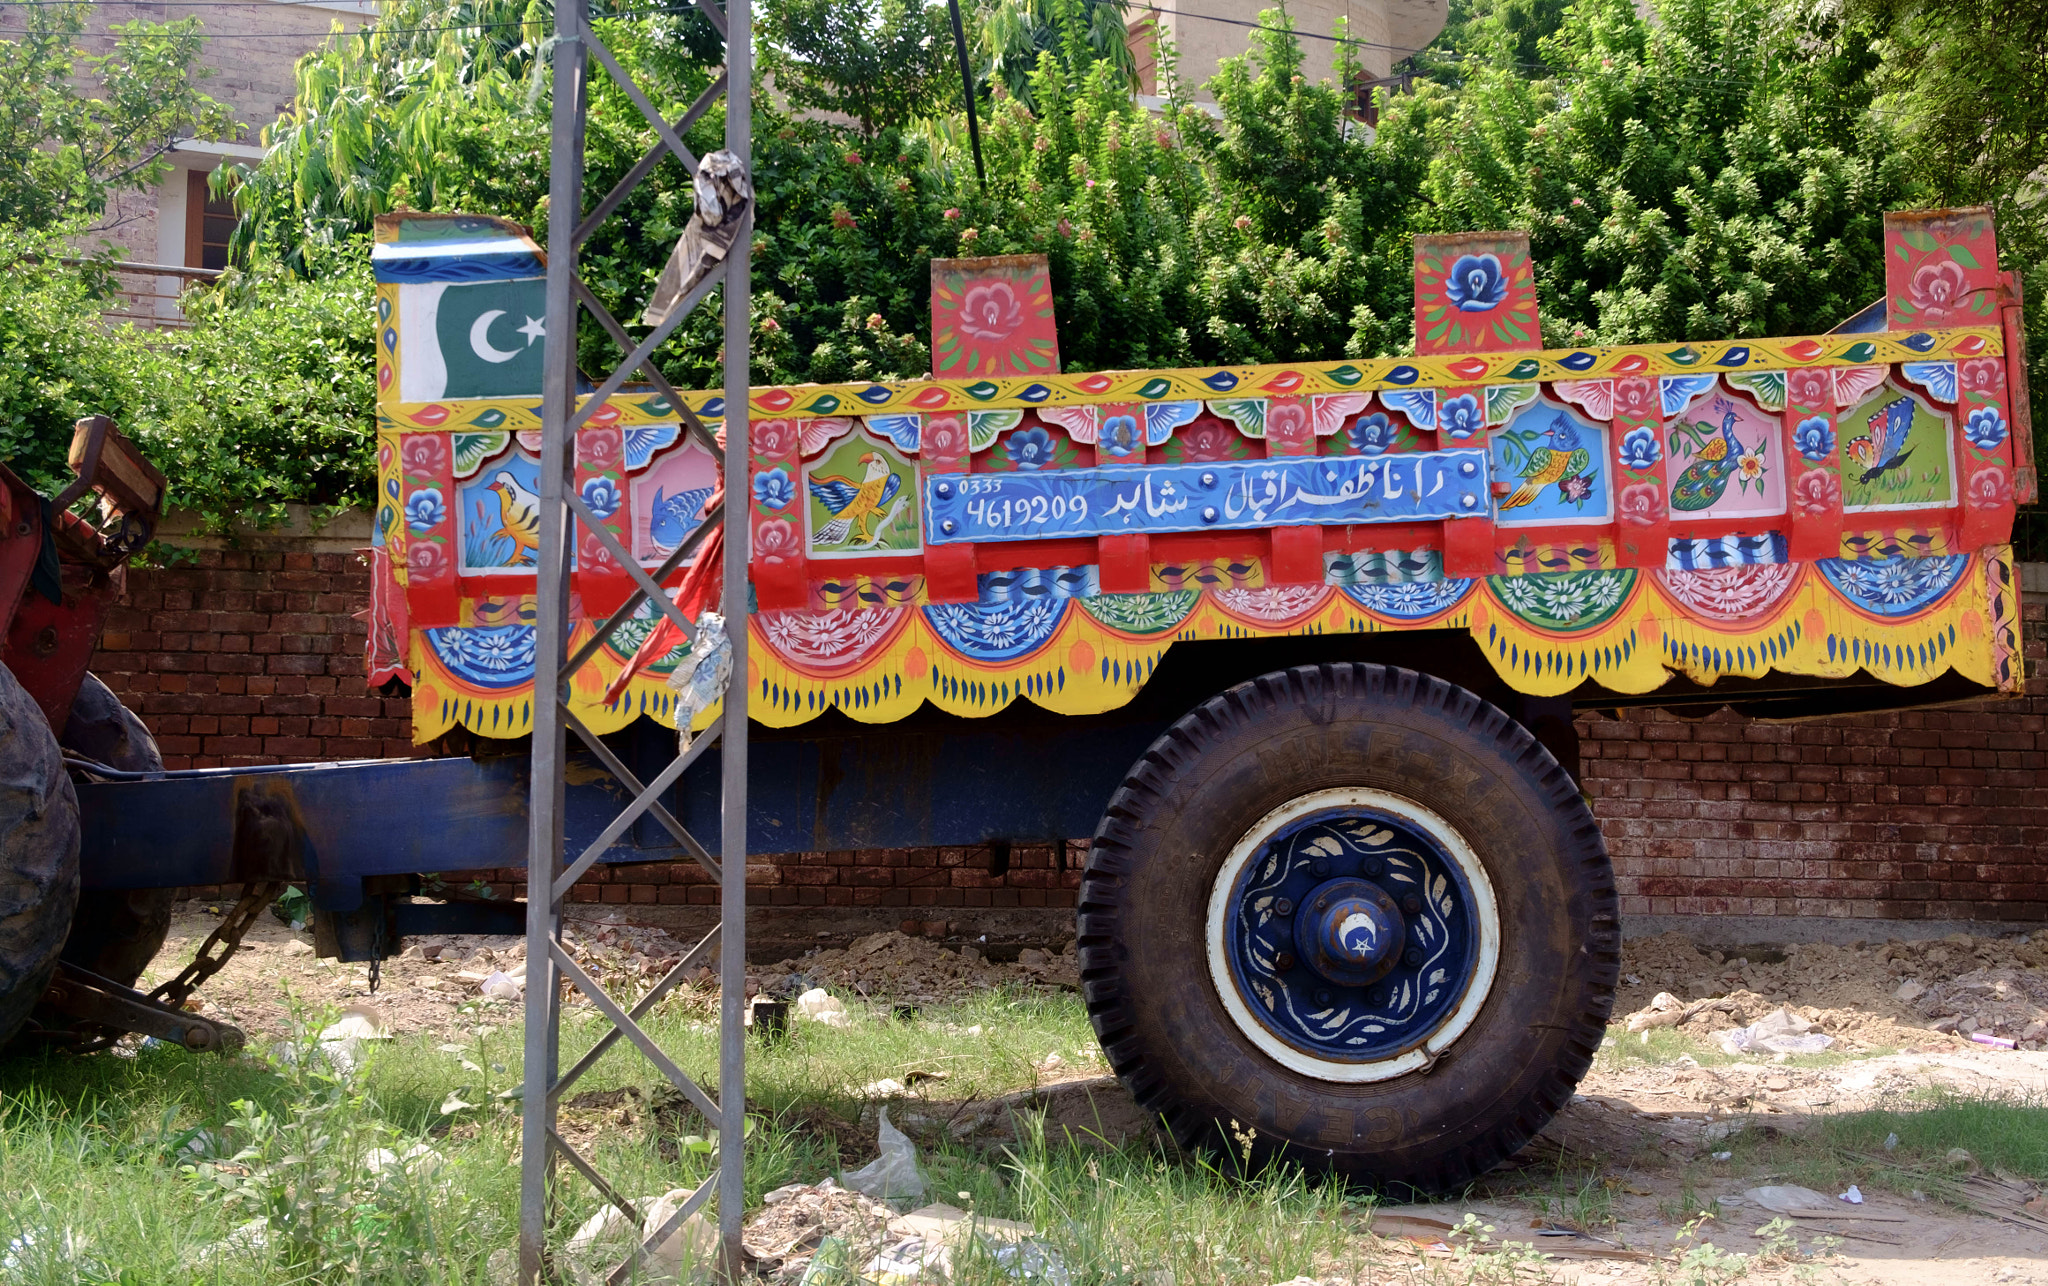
(676, 516)
(1884, 448)
(518, 518)
(855, 505)
(1712, 465)
(1563, 458)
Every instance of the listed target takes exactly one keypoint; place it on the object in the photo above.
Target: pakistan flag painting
(472, 339)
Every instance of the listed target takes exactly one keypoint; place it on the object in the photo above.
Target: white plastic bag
(1779, 1032)
(894, 1172)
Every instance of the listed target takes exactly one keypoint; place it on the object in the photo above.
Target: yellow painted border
(1088, 668)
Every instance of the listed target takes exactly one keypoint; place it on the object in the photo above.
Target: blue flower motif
(1815, 438)
(773, 488)
(1460, 418)
(1373, 434)
(601, 496)
(425, 510)
(1120, 435)
(1029, 448)
(1985, 428)
(1639, 449)
(1476, 283)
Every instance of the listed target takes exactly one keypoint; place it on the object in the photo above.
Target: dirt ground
(1900, 1014)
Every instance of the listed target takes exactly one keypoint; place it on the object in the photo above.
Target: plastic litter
(894, 1172)
(1996, 1042)
(1891, 1142)
(1723, 1156)
(1779, 1032)
(499, 985)
(699, 679)
(1854, 1196)
(821, 1006)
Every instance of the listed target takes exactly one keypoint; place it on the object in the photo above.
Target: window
(209, 222)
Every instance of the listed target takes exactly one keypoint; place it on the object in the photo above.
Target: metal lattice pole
(549, 878)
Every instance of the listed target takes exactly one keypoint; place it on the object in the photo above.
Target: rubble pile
(916, 970)
(1864, 994)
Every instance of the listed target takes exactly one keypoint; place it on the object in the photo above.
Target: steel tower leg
(563, 513)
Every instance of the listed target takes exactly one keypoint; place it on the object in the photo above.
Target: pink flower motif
(425, 453)
(1937, 285)
(1207, 440)
(1635, 399)
(600, 449)
(1819, 493)
(1983, 375)
(945, 438)
(1287, 424)
(1810, 388)
(1990, 488)
(1641, 505)
(591, 555)
(991, 312)
(773, 439)
(427, 561)
(776, 541)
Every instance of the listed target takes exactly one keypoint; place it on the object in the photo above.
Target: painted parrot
(1707, 476)
(855, 506)
(518, 518)
(1884, 448)
(1563, 458)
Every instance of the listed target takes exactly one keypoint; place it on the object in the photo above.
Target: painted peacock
(1712, 465)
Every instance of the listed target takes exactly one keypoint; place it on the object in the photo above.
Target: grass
(2009, 1134)
(142, 1169)
(149, 1168)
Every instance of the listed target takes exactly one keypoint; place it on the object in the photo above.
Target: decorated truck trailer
(1299, 646)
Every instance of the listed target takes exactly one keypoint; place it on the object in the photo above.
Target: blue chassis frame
(334, 825)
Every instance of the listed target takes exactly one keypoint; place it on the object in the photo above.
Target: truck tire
(1353, 918)
(38, 854)
(116, 932)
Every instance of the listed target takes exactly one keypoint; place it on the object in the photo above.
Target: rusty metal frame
(549, 965)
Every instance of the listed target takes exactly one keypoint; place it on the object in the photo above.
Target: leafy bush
(271, 397)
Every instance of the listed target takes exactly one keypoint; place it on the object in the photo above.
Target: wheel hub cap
(1351, 932)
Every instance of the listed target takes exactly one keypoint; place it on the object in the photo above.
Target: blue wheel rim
(1351, 935)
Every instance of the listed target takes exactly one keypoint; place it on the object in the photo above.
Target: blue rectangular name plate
(1228, 495)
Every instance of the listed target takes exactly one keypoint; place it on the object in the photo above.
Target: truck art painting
(1297, 645)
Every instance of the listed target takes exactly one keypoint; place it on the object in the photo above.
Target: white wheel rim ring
(1484, 908)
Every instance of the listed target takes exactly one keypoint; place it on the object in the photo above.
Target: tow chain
(227, 936)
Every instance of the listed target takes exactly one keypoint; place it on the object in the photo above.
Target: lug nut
(1411, 904)
(1320, 867)
(1374, 868)
(1412, 957)
(1322, 997)
(1322, 904)
(1285, 960)
(1283, 907)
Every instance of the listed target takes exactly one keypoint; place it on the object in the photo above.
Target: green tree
(881, 62)
(62, 151)
(1711, 169)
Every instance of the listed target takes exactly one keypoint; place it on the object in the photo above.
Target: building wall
(1205, 32)
(254, 655)
(248, 57)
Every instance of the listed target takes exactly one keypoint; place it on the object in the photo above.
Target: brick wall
(1935, 814)
(251, 657)
(255, 656)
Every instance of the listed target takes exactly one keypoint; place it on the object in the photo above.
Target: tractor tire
(38, 854)
(116, 932)
(1351, 918)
